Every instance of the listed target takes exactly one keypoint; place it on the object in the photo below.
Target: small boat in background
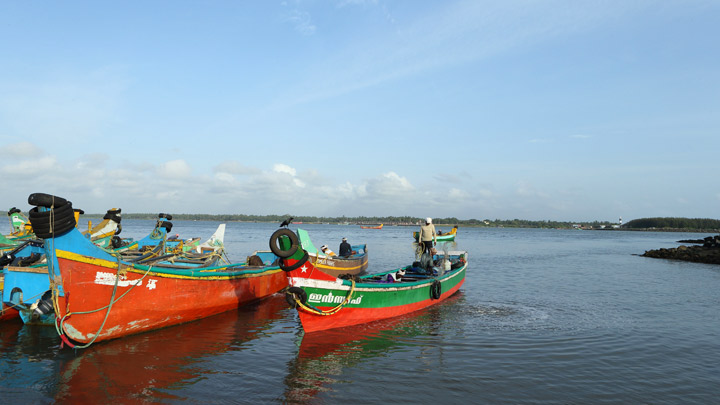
(442, 237)
(327, 302)
(333, 264)
(21, 228)
(371, 226)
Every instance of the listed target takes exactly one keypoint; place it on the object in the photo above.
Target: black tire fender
(62, 218)
(293, 293)
(435, 290)
(295, 244)
(45, 200)
(297, 265)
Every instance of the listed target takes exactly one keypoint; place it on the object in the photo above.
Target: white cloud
(19, 150)
(175, 169)
(27, 169)
(282, 168)
(457, 194)
(234, 168)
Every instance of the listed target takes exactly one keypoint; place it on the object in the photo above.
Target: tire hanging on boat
(435, 290)
(294, 243)
(113, 215)
(55, 221)
(165, 224)
(45, 200)
(295, 293)
(297, 265)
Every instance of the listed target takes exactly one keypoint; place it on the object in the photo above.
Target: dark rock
(697, 254)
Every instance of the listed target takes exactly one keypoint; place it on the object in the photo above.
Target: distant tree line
(388, 221)
(674, 223)
(642, 223)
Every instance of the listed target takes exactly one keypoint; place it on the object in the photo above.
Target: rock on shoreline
(708, 253)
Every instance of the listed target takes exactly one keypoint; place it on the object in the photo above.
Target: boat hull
(370, 301)
(145, 299)
(336, 266)
(24, 286)
(7, 313)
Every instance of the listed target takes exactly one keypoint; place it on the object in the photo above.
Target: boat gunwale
(346, 285)
(202, 273)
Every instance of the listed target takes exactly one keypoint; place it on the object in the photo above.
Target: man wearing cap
(345, 248)
(427, 236)
(327, 250)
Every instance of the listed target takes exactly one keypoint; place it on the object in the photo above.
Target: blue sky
(542, 110)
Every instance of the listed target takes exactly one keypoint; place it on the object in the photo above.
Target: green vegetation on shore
(674, 223)
(670, 223)
(387, 221)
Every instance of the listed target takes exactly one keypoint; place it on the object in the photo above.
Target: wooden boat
(6, 312)
(20, 225)
(354, 264)
(441, 237)
(102, 233)
(157, 236)
(26, 283)
(26, 280)
(371, 227)
(333, 265)
(22, 229)
(326, 302)
(99, 296)
(156, 246)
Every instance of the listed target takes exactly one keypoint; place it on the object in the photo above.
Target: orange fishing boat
(99, 296)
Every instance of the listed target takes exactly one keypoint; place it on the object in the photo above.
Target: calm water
(545, 316)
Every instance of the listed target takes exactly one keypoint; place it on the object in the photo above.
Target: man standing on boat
(427, 236)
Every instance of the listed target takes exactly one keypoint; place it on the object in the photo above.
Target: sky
(538, 110)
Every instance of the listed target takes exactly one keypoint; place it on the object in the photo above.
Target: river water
(545, 316)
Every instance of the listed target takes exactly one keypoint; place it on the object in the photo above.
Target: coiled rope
(331, 311)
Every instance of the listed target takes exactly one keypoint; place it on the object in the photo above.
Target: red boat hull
(152, 300)
(355, 316)
(7, 313)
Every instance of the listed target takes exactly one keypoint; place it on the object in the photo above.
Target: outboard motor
(44, 305)
(6, 259)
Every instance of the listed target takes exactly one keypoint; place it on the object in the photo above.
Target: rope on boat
(59, 326)
(331, 311)
(18, 307)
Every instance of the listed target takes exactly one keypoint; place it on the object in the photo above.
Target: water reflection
(323, 356)
(156, 366)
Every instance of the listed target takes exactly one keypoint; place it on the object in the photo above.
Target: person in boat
(427, 236)
(327, 250)
(345, 248)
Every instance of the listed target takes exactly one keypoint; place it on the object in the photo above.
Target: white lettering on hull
(329, 298)
(103, 278)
